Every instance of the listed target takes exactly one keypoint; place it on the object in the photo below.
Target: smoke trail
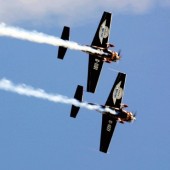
(25, 90)
(38, 37)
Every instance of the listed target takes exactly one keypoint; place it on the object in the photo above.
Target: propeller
(119, 53)
(134, 114)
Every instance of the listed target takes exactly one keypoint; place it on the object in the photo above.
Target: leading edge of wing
(94, 70)
(107, 129)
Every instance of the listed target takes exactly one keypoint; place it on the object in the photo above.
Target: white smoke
(42, 38)
(25, 90)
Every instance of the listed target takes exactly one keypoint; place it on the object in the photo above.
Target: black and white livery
(100, 43)
(115, 111)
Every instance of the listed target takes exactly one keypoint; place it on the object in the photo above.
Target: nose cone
(117, 56)
(132, 117)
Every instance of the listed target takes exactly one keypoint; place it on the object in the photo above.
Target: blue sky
(37, 134)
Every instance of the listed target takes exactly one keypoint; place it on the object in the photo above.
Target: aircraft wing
(103, 31)
(100, 40)
(108, 122)
(94, 69)
(116, 94)
(108, 126)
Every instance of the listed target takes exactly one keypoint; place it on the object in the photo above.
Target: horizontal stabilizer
(64, 36)
(78, 96)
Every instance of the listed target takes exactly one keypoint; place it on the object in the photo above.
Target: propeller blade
(134, 114)
(119, 52)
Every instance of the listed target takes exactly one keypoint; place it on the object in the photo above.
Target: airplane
(116, 112)
(100, 43)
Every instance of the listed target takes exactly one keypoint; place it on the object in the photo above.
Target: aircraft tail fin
(64, 36)
(78, 96)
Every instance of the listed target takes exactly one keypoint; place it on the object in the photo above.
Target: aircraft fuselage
(104, 53)
(120, 114)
